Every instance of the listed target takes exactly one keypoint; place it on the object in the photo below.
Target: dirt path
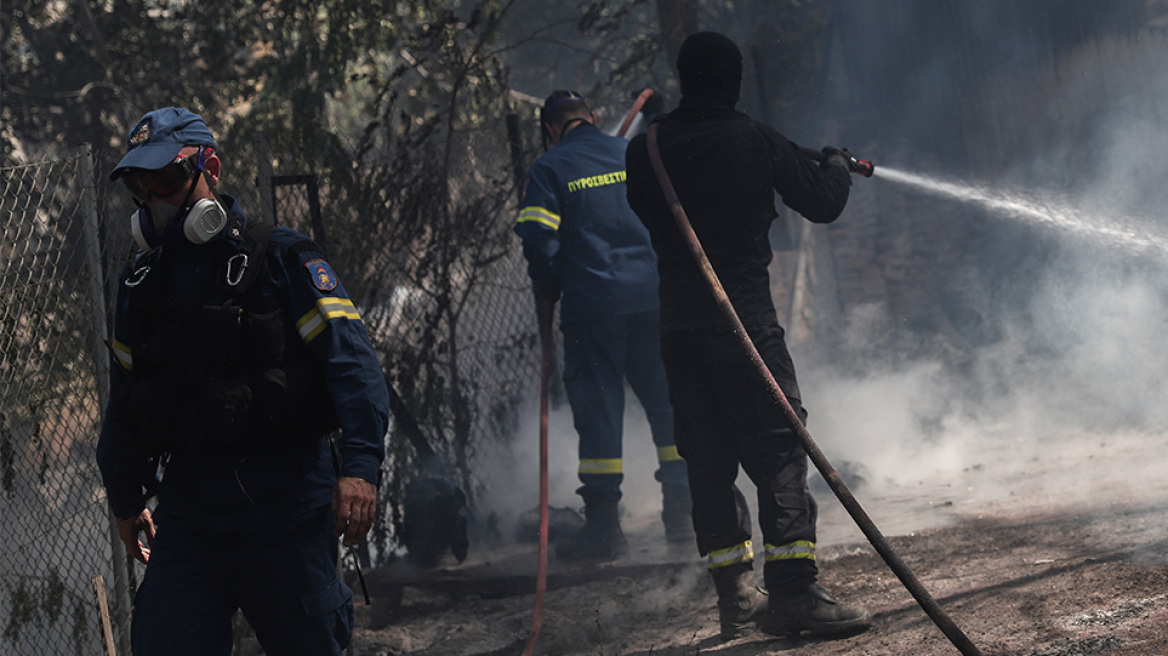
(1046, 548)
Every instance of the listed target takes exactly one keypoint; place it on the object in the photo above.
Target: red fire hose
(910, 581)
(545, 311)
(637, 105)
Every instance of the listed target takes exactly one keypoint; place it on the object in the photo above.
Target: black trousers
(725, 418)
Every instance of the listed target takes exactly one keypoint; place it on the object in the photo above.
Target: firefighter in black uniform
(726, 167)
(236, 351)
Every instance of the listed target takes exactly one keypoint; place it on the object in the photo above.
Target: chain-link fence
(53, 518)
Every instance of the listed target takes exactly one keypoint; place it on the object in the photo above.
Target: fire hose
(544, 310)
(637, 105)
(865, 523)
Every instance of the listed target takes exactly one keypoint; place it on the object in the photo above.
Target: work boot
(677, 515)
(740, 602)
(599, 540)
(811, 610)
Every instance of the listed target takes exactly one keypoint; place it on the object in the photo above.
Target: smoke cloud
(1070, 121)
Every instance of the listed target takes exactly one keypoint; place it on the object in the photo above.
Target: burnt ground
(1044, 547)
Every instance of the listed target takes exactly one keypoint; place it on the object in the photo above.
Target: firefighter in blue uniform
(236, 352)
(582, 242)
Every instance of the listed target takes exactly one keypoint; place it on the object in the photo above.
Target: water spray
(1036, 210)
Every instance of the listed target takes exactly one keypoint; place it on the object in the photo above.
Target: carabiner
(138, 276)
(241, 258)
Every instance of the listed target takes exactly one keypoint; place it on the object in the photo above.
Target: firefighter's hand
(546, 292)
(355, 506)
(833, 156)
(653, 106)
(128, 530)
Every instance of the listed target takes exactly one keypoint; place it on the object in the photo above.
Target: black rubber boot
(677, 515)
(811, 611)
(599, 540)
(740, 602)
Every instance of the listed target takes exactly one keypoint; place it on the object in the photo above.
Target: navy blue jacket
(579, 235)
(216, 491)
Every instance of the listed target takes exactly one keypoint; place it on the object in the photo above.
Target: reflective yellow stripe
(801, 549)
(122, 353)
(539, 215)
(315, 320)
(739, 553)
(600, 466)
(667, 454)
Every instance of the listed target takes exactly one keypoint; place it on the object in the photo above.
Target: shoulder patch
(322, 274)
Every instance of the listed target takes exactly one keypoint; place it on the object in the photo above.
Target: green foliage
(25, 609)
(81, 627)
(41, 602)
(435, 195)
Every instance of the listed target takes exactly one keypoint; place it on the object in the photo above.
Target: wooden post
(107, 631)
(97, 297)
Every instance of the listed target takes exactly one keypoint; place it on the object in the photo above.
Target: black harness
(220, 368)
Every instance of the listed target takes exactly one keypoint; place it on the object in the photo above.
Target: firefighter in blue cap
(583, 243)
(236, 353)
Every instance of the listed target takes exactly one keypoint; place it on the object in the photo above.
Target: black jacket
(725, 167)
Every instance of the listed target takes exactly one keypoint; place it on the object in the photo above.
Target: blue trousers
(599, 356)
(285, 581)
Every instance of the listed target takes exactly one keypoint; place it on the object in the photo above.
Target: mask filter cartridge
(205, 220)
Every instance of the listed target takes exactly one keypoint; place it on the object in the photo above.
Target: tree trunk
(679, 19)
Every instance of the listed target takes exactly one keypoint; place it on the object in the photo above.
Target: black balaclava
(710, 67)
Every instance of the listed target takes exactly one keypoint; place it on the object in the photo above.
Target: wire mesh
(56, 533)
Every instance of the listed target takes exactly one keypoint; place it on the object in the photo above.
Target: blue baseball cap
(158, 136)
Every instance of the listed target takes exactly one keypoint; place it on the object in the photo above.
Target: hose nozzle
(861, 166)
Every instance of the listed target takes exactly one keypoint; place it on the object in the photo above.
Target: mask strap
(571, 123)
(201, 162)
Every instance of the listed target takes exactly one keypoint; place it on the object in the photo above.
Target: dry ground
(1045, 547)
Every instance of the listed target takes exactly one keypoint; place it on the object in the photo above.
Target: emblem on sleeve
(322, 275)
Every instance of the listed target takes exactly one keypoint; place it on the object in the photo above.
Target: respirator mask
(155, 221)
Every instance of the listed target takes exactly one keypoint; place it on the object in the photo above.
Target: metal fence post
(100, 337)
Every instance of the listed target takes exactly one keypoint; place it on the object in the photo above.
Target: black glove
(833, 156)
(545, 301)
(545, 292)
(653, 106)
